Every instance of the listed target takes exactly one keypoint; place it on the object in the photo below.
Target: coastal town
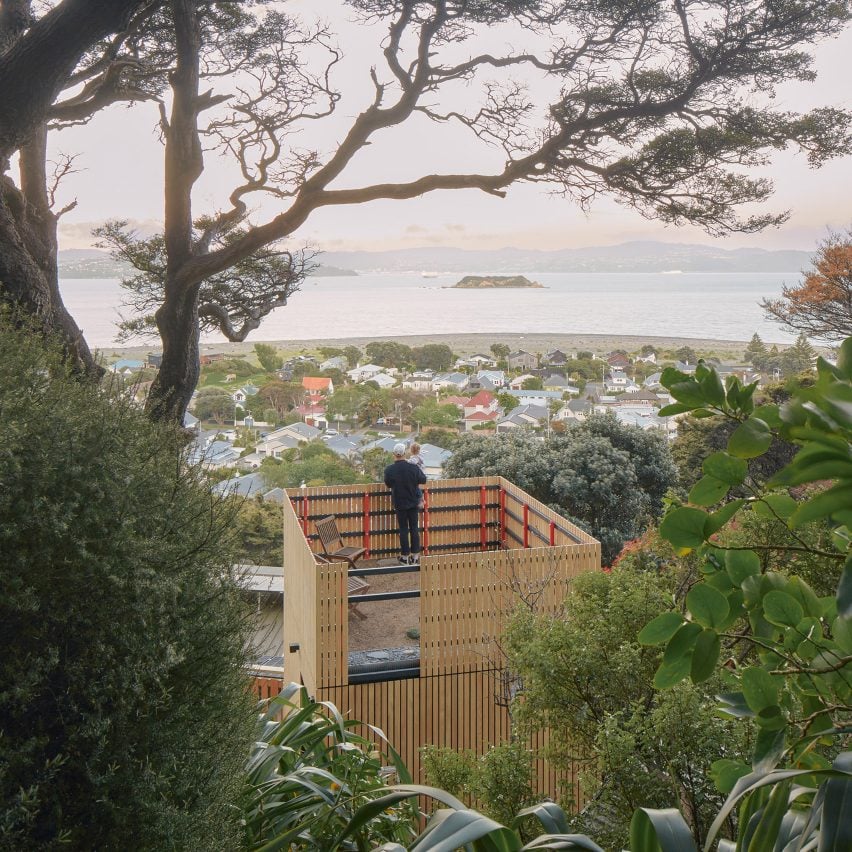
(252, 414)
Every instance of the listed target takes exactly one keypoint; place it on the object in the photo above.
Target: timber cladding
(488, 547)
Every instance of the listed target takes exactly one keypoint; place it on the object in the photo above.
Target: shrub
(123, 705)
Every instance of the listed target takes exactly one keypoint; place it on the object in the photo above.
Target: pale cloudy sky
(121, 176)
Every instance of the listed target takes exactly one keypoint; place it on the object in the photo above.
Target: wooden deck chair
(332, 543)
(334, 549)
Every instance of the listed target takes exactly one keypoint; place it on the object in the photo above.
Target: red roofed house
(460, 401)
(617, 360)
(482, 403)
(316, 388)
(479, 417)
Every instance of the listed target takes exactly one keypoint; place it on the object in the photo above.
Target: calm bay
(718, 306)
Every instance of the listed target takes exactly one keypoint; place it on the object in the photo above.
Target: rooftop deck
(487, 546)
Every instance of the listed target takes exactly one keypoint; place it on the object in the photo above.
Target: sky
(120, 175)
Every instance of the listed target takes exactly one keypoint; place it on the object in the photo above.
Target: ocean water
(718, 306)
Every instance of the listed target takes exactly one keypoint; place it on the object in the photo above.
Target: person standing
(404, 481)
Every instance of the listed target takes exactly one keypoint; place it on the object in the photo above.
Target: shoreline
(469, 344)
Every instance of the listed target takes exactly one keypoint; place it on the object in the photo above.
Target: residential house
(434, 459)
(420, 380)
(154, 360)
(455, 381)
(241, 485)
(542, 398)
(497, 378)
(646, 419)
(127, 366)
(560, 383)
(214, 454)
(518, 382)
(556, 358)
(639, 397)
(275, 445)
(211, 358)
(574, 409)
(685, 367)
(477, 418)
(618, 361)
(383, 380)
(523, 417)
(522, 360)
(239, 396)
(342, 446)
(363, 372)
(646, 359)
(483, 402)
(458, 401)
(653, 381)
(617, 381)
(338, 362)
(263, 586)
(317, 388)
(302, 432)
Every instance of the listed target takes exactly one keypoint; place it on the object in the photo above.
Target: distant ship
(428, 274)
(672, 272)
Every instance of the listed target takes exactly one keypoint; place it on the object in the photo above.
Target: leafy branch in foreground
(313, 784)
(785, 652)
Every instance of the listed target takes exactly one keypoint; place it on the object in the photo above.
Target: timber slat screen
(487, 545)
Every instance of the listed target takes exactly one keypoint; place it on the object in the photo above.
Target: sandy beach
(468, 344)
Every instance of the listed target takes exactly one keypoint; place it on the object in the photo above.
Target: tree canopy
(607, 477)
(124, 715)
(821, 305)
(665, 108)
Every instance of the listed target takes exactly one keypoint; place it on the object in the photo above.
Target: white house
(518, 382)
(496, 377)
(363, 372)
(421, 380)
(455, 381)
(383, 380)
(535, 397)
(483, 403)
(338, 362)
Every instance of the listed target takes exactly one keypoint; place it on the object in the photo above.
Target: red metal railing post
(305, 509)
(366, 523)
(425, 547)
(502, 516)
(552, 533)
(526, 525)
(483, 523)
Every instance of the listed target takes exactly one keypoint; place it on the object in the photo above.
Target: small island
(481, 282)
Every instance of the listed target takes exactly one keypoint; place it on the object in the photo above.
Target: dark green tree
(268, 356)
(124, 713)
(353, 355)
(433, 356)
(500, 351)
(608, 477)
(388, 353)
(756, 351)
(798, 358)
(214, 404)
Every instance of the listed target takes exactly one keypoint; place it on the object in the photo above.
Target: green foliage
(785, 646)
(123, 710)
(500, 782)
(268, 357)
(313, 784)
(353, 355)
(314, 464)
(258, 528)
(214, 404)
(309, 775)
(430, 413)
(609, 477)
(447, 439)
(374, 462)
(433, 356)
(587, 678)
(532, 383)
(500, 351)
(389, 353)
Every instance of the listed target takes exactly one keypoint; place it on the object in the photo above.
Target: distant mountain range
(91, 263)
(644, 256)
(639, 256)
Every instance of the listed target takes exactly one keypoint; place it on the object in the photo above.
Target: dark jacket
(403, 480)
